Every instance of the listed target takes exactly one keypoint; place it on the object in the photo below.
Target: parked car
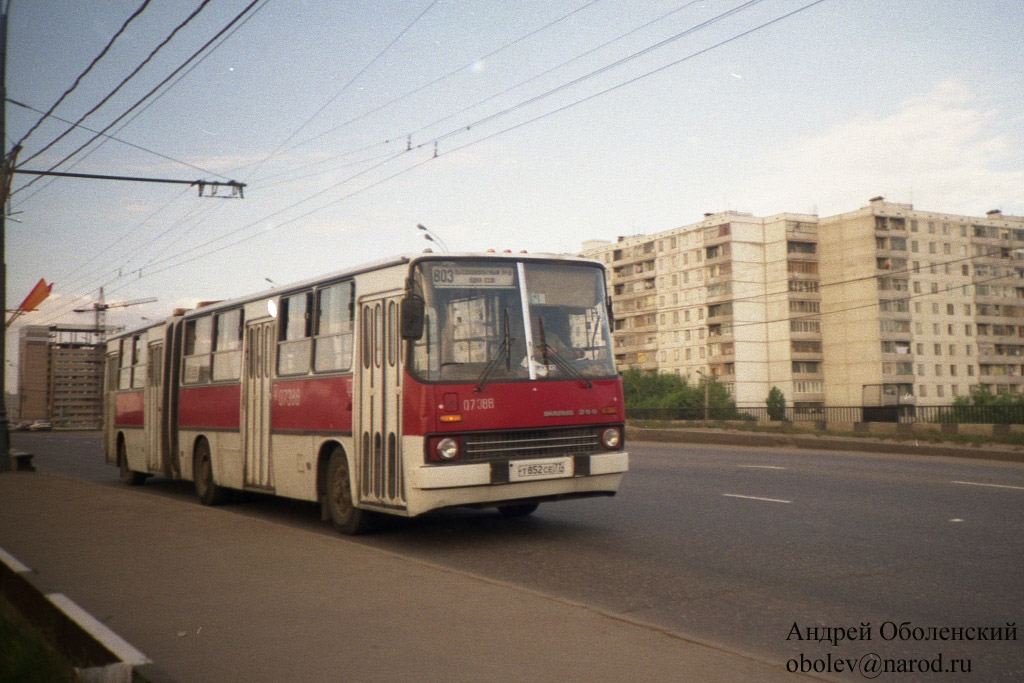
(40, 426)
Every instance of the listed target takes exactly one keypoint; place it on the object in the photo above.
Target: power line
(471, 143)
(469, 64)
(617, 63)
(158, 97)
(345, 87)
(149, 94)
(82, 75)
(444, 77)
(558, 66)
(152, 54)
(620, 85)
(115, 139)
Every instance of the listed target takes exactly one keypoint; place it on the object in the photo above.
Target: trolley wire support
(237, 189)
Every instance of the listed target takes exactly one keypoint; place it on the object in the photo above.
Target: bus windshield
(501, 320)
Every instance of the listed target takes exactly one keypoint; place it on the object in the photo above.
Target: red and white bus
(417, 383)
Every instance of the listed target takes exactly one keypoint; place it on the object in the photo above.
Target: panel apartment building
(884, 305)
(60, 376)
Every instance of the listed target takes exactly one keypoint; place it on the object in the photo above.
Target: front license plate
(548, 468)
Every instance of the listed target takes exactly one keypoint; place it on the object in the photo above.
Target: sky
(529, 125)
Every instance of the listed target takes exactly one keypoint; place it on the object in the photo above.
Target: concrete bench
(21, 461)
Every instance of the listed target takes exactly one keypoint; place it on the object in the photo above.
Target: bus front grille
(539, 443)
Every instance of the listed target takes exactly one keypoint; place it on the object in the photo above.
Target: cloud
(940, 150)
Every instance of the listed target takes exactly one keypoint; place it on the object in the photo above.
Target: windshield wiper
(506, 346)
(562, 364)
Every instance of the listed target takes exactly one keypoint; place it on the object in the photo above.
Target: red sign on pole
(36, 296)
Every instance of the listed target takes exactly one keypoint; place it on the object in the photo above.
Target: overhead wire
(116, 139)
(220, 38)
(468, 144)
(558, 66)
(158, 97)
(117, 88)
(78, 80)
(477, 60)
(149, 94)
(442, 78)
(626, 82)
(616, 64)
(345, 87)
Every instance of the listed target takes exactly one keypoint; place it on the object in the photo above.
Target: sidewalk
(210, 595)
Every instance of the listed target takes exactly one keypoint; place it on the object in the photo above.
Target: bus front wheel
(202, 472)
(344, 515)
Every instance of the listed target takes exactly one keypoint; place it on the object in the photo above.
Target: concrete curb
(98, 654)
(762, 440)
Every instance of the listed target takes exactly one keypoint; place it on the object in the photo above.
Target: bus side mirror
(412, 316)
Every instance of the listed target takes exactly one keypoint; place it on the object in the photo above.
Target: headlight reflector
(447, 449)
(611, 438)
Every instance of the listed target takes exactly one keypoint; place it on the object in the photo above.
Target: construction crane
(100, 309)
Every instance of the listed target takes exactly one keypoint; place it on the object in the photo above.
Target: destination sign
(451, 275)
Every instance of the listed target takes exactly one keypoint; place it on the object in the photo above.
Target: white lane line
(769, 500)
(763, 467)
(994, 486)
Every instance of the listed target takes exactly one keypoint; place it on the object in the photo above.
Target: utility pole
(5, 180)
(7, 170)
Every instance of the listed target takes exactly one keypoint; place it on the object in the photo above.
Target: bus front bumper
(553, 473)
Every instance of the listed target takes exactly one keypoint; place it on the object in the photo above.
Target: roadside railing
(950, 414)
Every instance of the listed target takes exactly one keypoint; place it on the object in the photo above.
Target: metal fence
(951, 414)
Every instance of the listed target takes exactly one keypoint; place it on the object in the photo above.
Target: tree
(669, 396)
(776, 405)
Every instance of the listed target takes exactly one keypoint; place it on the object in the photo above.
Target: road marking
(763, 467)
(769, 500)
(994, 486)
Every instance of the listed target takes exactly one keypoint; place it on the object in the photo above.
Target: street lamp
(431, 236)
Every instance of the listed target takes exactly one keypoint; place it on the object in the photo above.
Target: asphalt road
(735, 546)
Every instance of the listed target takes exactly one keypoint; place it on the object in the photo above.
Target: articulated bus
(417, 383)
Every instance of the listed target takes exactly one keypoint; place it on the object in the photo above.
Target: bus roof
(358, 270)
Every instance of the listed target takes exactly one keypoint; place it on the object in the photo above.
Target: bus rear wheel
(344, 515)
(128, 476)
(202, 472)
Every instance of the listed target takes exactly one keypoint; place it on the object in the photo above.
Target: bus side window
(138, 362)
(335, 312)
(125, 371)
(295, 325)
(227, 345)
(198, 344)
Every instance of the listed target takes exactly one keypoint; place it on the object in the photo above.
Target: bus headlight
(447, 449)
(611, 438)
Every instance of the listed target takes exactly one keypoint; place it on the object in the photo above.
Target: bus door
(154, 408)
(260, 345)
(378, 429)
(110, 406)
